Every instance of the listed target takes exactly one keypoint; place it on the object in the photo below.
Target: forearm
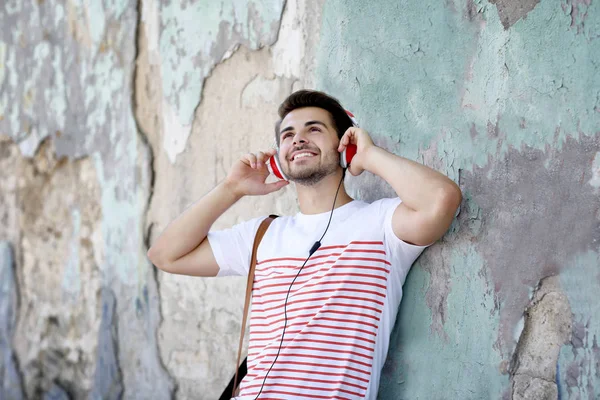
(419, 187)
(188, 230)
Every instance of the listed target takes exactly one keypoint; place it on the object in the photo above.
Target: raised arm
(429, 198)
(182, 247)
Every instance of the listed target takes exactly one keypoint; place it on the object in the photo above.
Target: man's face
(308, 145)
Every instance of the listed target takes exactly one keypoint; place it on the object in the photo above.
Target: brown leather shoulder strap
(262, 229)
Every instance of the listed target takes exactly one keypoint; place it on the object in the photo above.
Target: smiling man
(329, 279)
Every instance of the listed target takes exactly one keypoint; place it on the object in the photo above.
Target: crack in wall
(11, 378)
(143, 139)
(10, 233)
(108, 378)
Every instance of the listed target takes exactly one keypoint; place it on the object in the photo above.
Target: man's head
(308, 135)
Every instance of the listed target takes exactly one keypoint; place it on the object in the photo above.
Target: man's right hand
(182, 247)
(248, 175)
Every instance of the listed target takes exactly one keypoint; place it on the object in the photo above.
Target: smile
(299, 156)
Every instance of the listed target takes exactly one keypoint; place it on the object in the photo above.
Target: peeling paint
(511, 11)
(518, 195)
(76, 64)
(547, 328)
(190, 47)
(578, 11)
(508, 110)
(579, 360)
(501, 96)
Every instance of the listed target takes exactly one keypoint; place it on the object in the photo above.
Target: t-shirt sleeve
(232, 247)
(404, 253)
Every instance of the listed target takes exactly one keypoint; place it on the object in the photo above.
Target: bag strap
(262, 229)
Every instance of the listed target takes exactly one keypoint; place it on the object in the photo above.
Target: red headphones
(345, 156)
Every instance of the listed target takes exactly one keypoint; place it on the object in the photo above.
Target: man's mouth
(301, 155)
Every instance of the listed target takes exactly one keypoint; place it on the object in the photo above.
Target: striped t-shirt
(341, 308)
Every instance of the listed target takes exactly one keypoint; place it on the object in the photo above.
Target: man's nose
(299, 139)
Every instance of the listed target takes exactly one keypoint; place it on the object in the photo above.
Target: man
(320, 323)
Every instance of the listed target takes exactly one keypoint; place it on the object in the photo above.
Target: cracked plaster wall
(75, 191)
(503, 97)
(117, 115)
(236, 113)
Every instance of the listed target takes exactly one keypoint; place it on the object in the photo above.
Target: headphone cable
(314, 248)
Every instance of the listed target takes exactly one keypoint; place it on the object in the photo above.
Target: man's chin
(307, 177)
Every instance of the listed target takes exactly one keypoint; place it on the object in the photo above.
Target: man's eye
(314, 128)
(286, 135)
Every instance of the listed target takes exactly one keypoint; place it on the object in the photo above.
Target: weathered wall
(505, 99)
(250, 58)
(114, 116)
(76, 204)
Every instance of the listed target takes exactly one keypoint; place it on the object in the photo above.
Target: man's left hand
(363, 142)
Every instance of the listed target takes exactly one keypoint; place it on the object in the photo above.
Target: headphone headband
(352, 118)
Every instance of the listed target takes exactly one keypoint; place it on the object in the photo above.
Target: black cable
(314, 248)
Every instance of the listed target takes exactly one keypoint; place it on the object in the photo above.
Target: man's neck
(318, 198)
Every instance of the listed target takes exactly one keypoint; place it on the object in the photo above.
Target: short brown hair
(313, 98)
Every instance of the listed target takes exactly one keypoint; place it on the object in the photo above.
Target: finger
(251, 159)
(345, 140)
(353, 171)
(246, 160)
(260, 159)
(275, 186)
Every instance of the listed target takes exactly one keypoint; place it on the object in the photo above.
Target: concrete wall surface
(116, 115)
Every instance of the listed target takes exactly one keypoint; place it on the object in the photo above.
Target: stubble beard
(313, 175)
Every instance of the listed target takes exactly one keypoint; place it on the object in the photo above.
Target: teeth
(302, 155)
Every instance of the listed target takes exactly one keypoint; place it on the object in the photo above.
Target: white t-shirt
(341, 308)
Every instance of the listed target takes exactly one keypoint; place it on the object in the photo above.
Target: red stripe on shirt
(308, 364)
(286, 340)
(315, 317)
(279, 384)
(310, 371)
(327, 350)
(298, 301)
(269, 339)
(314, 396)
(349, 306)
(286, 284)
(259, 286)
(306, 379)
(277, 329)
(259, 295)
(375, 317)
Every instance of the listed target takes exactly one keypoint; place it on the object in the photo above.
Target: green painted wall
(505, 99)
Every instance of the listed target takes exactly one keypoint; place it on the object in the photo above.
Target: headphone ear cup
(275, 168)
(347, 154)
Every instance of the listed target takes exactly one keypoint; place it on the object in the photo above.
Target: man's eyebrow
(315, 122)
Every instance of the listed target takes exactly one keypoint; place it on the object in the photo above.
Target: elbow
(448, 201)
(155, 258)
